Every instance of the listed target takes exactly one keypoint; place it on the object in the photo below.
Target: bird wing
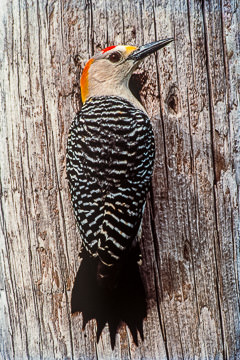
(109, 166)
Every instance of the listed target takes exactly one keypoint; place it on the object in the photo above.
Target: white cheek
(102, 71)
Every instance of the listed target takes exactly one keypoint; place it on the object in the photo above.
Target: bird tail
(109, 276)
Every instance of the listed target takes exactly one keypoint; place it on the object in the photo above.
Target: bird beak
(148, 49)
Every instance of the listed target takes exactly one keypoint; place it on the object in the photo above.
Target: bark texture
(190, 239)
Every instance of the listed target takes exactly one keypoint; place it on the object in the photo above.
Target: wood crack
(211, 118)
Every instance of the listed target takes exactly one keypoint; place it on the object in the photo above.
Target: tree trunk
(190, 240)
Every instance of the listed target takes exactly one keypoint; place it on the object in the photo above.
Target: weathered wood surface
(190, 237)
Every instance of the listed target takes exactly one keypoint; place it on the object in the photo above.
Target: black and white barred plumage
(110, 157)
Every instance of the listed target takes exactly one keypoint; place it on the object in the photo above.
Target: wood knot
(173, 100)
(77, 60)
(134, 32)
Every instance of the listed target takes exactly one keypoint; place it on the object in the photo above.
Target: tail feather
(108, 275)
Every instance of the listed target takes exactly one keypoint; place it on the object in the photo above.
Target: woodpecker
(110, 157)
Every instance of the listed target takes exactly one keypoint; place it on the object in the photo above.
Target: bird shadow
(126, 303)
(137, 82)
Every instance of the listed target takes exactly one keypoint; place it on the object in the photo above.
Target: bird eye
(115, 57)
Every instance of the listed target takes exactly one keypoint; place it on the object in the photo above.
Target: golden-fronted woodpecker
(110, 156)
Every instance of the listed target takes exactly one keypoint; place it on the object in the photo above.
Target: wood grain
(190, 240)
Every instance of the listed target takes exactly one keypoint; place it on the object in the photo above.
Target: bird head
(109, 71)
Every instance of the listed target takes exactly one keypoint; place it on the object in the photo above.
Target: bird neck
(121, 90)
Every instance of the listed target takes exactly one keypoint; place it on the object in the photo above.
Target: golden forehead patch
(130, 49)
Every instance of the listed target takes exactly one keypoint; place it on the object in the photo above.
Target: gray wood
(190, 239)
